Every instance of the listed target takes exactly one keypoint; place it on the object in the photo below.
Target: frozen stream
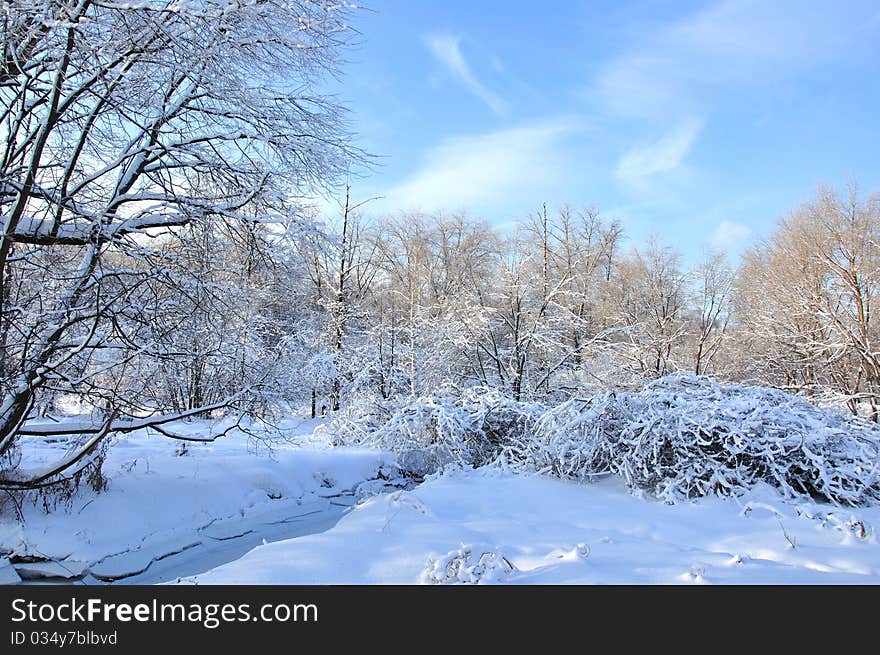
(211, 553)
(207, 547)
(167, 514)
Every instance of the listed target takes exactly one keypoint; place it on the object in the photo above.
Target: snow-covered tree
(714, 286)
(650, 294)
(808, 296)
(124, 127)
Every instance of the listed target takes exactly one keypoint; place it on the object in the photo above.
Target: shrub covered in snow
(685, 436)
(469, 565)
(426, 434)
(681, 436)
(574, 440)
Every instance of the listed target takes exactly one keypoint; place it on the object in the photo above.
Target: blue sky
(698, 122)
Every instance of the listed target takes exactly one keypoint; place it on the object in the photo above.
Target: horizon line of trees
(345, 311)
(418, 302)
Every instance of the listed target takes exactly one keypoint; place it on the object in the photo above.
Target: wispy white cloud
(729, 236)
(504, 169)
(447, 50)
(663, 74)
(662, 156)
(728, 44)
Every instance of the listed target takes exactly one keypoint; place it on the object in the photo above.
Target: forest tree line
(411, 303)
(347, 310)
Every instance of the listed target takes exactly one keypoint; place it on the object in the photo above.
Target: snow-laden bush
(359, 421)
(574, 440)
(469, 428)
(681, 436)
(685, 436)
(470, 564)
(498, 418)
(425, 434)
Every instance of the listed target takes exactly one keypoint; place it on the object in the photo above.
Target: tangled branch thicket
(679, 437)
(468, 428)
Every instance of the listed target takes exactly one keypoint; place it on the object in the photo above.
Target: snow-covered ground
(232, 512)
(166, 514)
(484, 526)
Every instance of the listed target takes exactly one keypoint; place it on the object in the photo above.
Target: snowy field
(485, 526)
(234, 512)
